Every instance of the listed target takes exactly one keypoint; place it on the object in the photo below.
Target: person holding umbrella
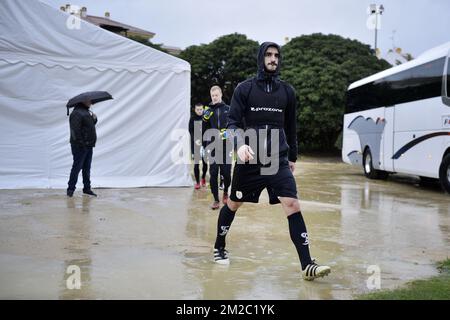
(83, 138)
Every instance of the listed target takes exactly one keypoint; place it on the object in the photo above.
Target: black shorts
(248, 183)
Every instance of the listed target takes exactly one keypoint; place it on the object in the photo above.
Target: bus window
(421, 82)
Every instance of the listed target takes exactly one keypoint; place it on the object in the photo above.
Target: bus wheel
(369, 170)
(444, 173)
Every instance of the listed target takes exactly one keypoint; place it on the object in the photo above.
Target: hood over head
(262, 73)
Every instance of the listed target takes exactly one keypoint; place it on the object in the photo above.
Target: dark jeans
(82, 158)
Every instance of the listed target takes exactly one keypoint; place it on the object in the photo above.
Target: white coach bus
(398, 120)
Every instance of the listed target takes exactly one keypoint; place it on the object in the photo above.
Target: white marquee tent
(47, 57)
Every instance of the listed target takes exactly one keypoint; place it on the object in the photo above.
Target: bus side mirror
(446, 83)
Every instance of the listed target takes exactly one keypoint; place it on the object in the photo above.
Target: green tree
(225, 62)
(320, 68)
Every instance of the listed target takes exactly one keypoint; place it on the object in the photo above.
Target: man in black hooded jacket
(266, 105)
(197, 128)
(83, 137)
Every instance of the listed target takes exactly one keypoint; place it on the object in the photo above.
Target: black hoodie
(266, 102)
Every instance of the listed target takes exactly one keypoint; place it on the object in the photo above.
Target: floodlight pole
(377, 10)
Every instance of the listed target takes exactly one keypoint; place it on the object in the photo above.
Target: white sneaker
(313, 271)
(221, 256)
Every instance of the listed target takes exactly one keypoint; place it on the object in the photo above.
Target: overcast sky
(417, 25)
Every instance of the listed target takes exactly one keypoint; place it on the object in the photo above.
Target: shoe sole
(324, 273)
(223, 262)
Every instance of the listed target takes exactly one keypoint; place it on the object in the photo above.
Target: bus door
(418, 117)
(388, 140)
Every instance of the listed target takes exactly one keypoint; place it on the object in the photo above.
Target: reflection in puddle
(156, 243)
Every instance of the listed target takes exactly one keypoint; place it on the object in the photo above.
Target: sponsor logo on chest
(266, 109)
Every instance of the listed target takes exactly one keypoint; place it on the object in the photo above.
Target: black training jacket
(82, 127)
(266, 102)
(194, 118)
(216, 115)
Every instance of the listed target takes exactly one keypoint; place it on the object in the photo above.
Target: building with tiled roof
(115, 26)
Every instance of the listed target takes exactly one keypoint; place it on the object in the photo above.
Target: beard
(271, 70)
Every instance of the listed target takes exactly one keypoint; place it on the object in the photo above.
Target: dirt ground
(156, 243)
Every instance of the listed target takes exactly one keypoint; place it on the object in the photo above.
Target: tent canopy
(47, 57)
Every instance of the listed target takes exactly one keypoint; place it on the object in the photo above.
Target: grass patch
(435, 288)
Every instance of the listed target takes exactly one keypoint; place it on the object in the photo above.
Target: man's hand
(94, 116)
(245, 153)
(292, 166)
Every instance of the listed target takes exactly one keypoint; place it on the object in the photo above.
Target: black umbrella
(92, 96)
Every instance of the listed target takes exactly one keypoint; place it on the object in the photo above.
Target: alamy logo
(265, 145)
(224, 230)
(374, 280)
(305, 236)
(73, 22)
(267, 109)
(74, 280)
